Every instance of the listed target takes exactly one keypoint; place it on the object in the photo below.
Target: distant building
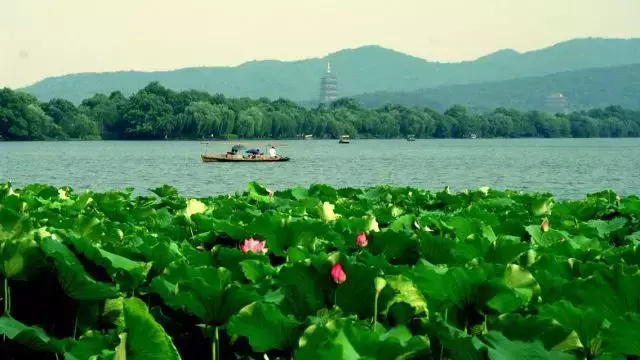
(328, 86)
(556, 103)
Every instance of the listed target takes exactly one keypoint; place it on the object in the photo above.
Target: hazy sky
(40, 38)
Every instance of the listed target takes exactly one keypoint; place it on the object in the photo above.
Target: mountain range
(372, 73)
(578, 90)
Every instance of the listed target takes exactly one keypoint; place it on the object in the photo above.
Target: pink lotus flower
(337, 274)
(251, 245)
(361, 239)
(270, 192)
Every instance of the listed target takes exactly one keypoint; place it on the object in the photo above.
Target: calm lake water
(568, 168)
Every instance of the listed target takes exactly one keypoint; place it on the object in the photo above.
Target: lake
(568, 168)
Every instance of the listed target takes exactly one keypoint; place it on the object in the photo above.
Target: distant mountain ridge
(581, 89)
(365, 69)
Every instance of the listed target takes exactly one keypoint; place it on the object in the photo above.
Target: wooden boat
(344, 139)
(233, 156)
(308, 137)
(411, 138)
(236, 158)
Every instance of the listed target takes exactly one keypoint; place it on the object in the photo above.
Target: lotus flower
(337, 274)
(544, 226)
(270, 192)
(251, 245)
(361, 239)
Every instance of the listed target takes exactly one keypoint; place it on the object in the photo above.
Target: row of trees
(156, 112)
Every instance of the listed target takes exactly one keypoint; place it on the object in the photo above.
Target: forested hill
(156, 112)
(365, 69)
(582, 89)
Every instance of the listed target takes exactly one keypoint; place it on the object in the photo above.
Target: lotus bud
(337, 274)
(544, 226)
(380, 283)
(361, 239)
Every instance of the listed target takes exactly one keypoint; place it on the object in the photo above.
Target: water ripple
(568, 168)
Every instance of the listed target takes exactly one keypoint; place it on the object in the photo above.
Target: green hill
(365, 69)
(582, 89)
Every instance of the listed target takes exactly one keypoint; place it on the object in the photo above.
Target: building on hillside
(556, 103)
(328, 86)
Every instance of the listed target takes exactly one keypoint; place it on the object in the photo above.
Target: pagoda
(328, 86)
(556, 103)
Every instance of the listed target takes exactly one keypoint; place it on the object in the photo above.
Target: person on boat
(272, 151)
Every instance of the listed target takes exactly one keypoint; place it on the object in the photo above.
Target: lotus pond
(318, 273)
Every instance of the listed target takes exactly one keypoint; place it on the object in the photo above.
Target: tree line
(156, 112)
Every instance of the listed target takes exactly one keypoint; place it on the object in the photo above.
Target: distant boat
(411, 138)
(240, 158)
(473, 136)
(308, 137)
(344, 139)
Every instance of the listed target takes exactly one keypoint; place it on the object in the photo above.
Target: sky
(42, 38)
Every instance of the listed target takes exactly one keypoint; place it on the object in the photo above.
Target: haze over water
(568, 168)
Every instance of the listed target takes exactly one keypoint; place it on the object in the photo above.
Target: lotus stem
(446, 316)
(215, 345)
(75, 324)
(6, 303)
(380, 284)
(375, 311)
(7, 297)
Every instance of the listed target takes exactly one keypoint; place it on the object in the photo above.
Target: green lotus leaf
(536, 328)
(258, 192)
(265, 326)
(346, 339)
(33, 337)
(501, 348)
(256, 270)
(621, 337)
(402, 290)
(165, 191)
(204, 291)
(196, 290)
(299, 193)
(397, 247)
(587, 323)
(356, 294)
(326, 213)
(323, 192)
(72, 276)
(92, 345)
(145, 339)
(20, 256)
(127, 273)
(304, 287)
(604, 228)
